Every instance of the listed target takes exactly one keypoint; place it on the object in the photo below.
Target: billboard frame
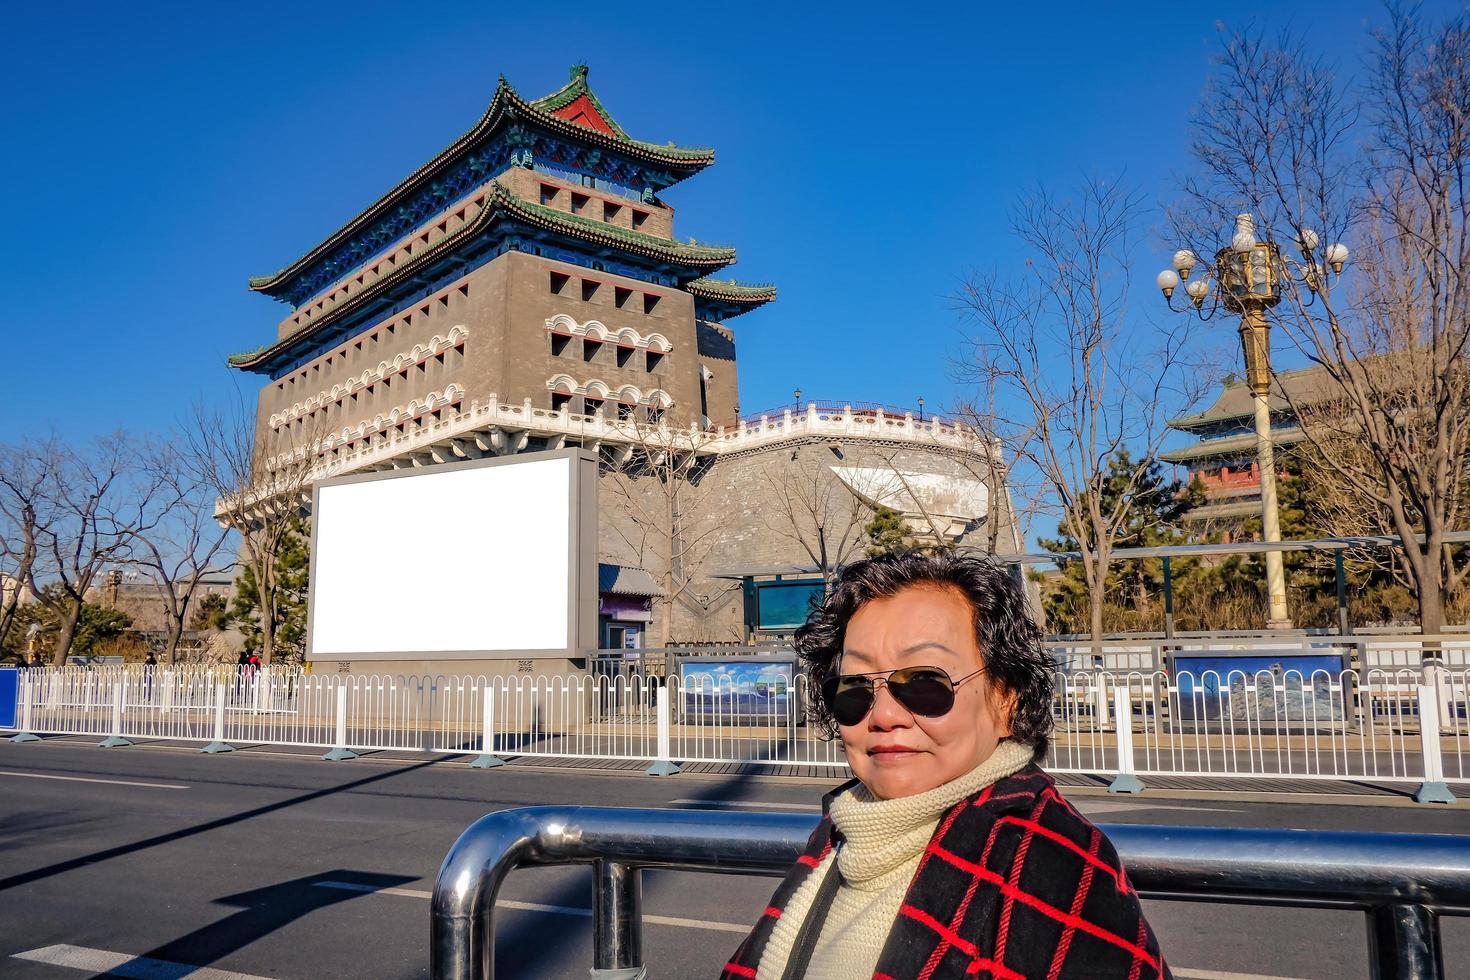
(581, 558)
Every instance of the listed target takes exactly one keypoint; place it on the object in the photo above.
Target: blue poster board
(9, 697)
(719, 690)
(1214, 674)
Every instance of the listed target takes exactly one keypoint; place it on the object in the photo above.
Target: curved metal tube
(1372, 871)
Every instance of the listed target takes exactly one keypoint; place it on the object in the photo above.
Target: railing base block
(1125, 782)
(1433, 792)
(113, 742)
(663, 768)
(486, 761)
(634, 973)
(25, 737)
(214, 748)
(339, 755)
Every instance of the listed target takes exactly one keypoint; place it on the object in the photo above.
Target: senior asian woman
(951, 854)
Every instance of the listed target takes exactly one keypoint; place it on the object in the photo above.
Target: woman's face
(893, 751)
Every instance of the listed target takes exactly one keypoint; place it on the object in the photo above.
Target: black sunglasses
(926, 691)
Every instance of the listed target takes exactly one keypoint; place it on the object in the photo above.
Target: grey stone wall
(740, 522)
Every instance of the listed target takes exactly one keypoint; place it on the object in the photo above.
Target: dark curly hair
(1007, 635)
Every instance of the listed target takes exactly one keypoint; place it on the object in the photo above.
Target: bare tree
(186, 546)
(1057, 352)
(816, 511)
(980, 412)
(27, 509)
(104, 500)
(261, 486)
(667, 521)
(1383, 165)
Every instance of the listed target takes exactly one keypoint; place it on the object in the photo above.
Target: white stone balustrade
(500, 428)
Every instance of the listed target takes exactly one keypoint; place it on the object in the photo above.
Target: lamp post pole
(1249, 273)
(1255, 341)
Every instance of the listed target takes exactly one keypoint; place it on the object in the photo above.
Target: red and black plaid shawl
(1015, 883)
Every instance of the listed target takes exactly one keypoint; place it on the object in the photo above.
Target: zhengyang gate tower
(524, 290)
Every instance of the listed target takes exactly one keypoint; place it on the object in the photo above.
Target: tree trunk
(1431, 609)
(66, 634)
(171, 643)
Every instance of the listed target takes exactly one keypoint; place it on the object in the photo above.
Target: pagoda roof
(500, 205)
(572, 111)
(1235, 401)
(732, 297)
(1232, 445)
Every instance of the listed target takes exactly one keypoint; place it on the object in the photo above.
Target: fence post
(119, 703)
(664, 765)
(1125, 781)
(340, 751)
(168, 692)
(617, 921)
(219, 744)
(1433, 789)
(27, 688)
(487, 758)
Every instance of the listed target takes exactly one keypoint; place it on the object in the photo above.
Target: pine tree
(291, 572)
(1155, 520)
(886, 532)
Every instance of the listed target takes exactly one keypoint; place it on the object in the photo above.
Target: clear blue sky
(158, 155)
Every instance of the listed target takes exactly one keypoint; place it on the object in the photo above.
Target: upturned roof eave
(500, 202)
(501, 106)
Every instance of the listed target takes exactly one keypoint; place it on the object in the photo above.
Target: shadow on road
(263, 911)
(61, 867)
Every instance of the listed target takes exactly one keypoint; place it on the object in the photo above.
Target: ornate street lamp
(921, 408)
(797, 394)
(1247, 276)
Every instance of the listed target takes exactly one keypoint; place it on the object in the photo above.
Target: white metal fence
(1407, 725)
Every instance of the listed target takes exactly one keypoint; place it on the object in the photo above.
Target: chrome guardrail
(1404, 882)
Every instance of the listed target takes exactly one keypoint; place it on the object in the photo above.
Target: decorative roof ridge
(571, 92)
(500, 200)
(731, 288)
(505, 98)
(595, 228)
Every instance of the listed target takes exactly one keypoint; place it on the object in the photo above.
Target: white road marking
(1217, 975)
(84, 779)
(108, 963)
(505, 903)
(721, 804)
(1119, 806)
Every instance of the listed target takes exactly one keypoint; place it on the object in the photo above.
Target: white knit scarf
(880, 839)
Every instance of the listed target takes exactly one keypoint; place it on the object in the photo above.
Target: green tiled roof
(592, 228)
(1230, 445)
(501, 201)
(506, 103)
(732, 291)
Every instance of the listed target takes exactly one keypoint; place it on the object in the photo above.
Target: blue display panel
(9, 696)
(786, 605)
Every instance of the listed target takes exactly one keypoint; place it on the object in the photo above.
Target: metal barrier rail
(1402, 881)
(1396, 725)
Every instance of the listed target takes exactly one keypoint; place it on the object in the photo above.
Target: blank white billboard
(458, 560)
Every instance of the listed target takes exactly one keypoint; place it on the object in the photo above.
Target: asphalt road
(265, 864)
